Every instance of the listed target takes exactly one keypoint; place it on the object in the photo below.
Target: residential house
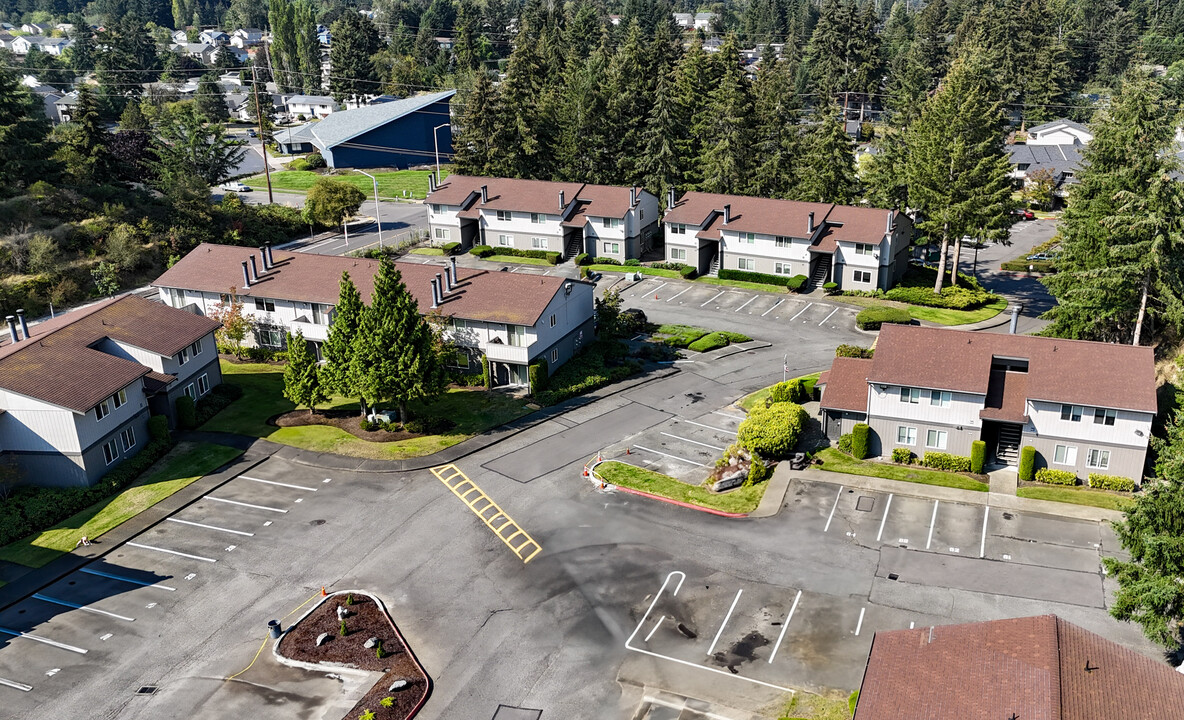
(180, 37)
(685, 21)
(8, 27)
(858, 248)
(210, 55)
(703, 20)
(1085, 407)
(295, 140)
(398, 134)
(76, 391)
(246, 37)
(197, 50)
(213, 36)
(570, 218)
(64, 27)
(51, 45)
(324, 37)
(1018, 669)
(513, 320)
(64, 106)
(35, 28)
(6, 39)
(49, 97)
(1060, 132)
(311, 106)
(230, 79)
(1059, 163)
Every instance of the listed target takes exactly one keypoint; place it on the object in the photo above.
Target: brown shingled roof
(540, 196)
(846, 385)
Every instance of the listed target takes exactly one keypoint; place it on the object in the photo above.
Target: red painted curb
(679, 503)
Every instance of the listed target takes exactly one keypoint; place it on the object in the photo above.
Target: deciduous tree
(330, 202)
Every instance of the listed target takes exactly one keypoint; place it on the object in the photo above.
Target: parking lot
(684, 446)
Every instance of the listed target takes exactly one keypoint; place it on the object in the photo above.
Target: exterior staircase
(821, 270)
(713, 271)
(1008, 449)
(575, 246)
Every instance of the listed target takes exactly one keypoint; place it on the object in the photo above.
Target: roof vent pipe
(254, 269)
(484, 193)
(561, 200)
(670, 198)
(440, 284)
(246, 275)
(263, 257)
(20, 316)
(810, 223)
(435, 294)
(12, 329)
(270, 257)
(455, 279)
(727, 213)
(448, 278)
(632, 197)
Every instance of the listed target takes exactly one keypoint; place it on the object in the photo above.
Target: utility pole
(436, 139)
(262, 137)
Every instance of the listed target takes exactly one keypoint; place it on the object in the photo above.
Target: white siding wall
(1045, 420)
(449, 217)
(963, 409)
(520, 224)
(285, 315)
(90, 428)
(646, 212)
(1061, 136)
(133, 353)
(570, 312)
(766, 246)
(33, 425)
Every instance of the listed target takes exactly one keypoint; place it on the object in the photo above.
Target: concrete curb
(679, 503)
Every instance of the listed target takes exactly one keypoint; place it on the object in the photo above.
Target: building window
(461, 359)
(1098, 459)
(128, 437)
(176, 297)
(554, 355)
(504, 216)
(119, 399)
(745, 264)
(103, 409)
(195, 348)
(516, 335)
(936, 439)
(782, 242)
(863, 249)
(910, 395)
(225, 299)
(538, 243)
(552, 320)
(1024, 166)
(269, 338)
(863, 276)
(1103, 416)
(677, 228)
(537, 218)
(459, 325)
(109, 451)
(641, 213)
(183, 356)
(940, 398)
(748, 238)
(265, 304)
(191, 391)
(321, 314)
(783, 268)
(435, 208)
(612, 248)
(1064, 455)
(1071, 413)
(443, 234)
(678, 253)
(906, 435)
(612, 222)
(504, 240)
(203, 384)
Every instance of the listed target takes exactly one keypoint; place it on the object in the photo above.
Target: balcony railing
(508, 353)
(311, 331)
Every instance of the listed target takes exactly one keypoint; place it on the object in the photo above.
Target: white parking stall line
(273, 482)
(785, 626)
(884, 519)
(672, 457)
(15, 685)
(655, 629)
(658, 288)
(242, 504)
(695, 442)
(724, 624)
(133, 581)
(832, 312)
(775, 306)
(210, 527)
(859, 625)
(746, 303)
(932, 522)
(982, 547)
(808, 306)
(832, 509)
(46, 641)
(709, 427)
(724, 414)
(721, 292)
(674, 296)
(76, 606)
(172, 552)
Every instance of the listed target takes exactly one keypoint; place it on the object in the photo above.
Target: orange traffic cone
(655, 296)
(585, 471)
(628, 451)
(323, 593)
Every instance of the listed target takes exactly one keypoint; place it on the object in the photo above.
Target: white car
(235, 186)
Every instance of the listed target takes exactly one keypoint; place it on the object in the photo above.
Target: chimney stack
(270, 257)
(727, 213)
(20, 316)
(435, 294)
(632, 197)
(455, 279)
(246, 275)
(561, 201)
(263, 258)
(670, 198)
(12, 329)
(888, 224)
(810, 224)
(484, 193)
(431, 182)
(254, 269)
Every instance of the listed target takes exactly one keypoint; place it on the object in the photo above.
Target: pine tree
(478, 144)
(210, 101)
(827, 166)
(282, 50)
(526, 105)
(82, 149)
(884, 185)
(133, 118)
(694, 77)
(630, 96)
(25, 152)
(355, 42)
(582, 33)
(586, 143)
(778, 137)
(659, 161)
(336, 375)
(301, 375)
(726, 163)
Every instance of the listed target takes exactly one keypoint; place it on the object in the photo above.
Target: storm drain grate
(147, 690)
(893, 576)
(865, 503)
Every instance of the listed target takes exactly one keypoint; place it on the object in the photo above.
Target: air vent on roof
(146, 690)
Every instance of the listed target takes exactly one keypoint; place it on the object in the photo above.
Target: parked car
(1024, 214)
(1041, 256)
(235, 186)
(252, 133)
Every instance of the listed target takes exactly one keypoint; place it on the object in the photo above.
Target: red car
(1023, 214)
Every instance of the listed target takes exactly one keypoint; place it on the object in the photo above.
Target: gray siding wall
(56, 469)
(569, 345)
(521, 241)
(885, 430)
(764, 265)
(845, 277)
(1125, 461)
(211, 369)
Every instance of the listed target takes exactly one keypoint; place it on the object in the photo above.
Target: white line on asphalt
(236, 502)
(833, 508)
(210, 527)
(15, 685)
(273, 482)
(695, 442)
(932, 521)
(657, 288)
(832, 312)
(721, 292)
(982, 548)
(692, 422)
(887, 506)
(674, 457)
(746, 303)
(47, 641)
(711, 650)
(785, 625)
(172, 552)
(84, 608)
(655, 629)
(133, 581)
(674, 296)
(772, 308)
(546, 272)
(859, 625)
(795, 317)
(717, 412)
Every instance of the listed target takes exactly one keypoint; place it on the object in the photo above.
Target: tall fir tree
(630, 96)
(725, 165)
(302, 384)
(586, 143)
(283, 52)
(82, 149)
(659, 161)
(525, 108)
(778, 132)
(211, 102)
(355, 42)
(694, 77)
(336, 374)
(826, 171)
(26, 150)
(478, 144)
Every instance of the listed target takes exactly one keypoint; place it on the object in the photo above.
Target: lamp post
(436, 139)
(377, 209)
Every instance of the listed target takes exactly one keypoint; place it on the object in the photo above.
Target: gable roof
(1062, 122)
(311, 100)
(845, 385)
(346, 125)
(1032, 668)
(540, 196)
(1055, 158)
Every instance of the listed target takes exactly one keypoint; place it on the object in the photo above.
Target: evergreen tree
(26, 149)
(336, 375)
(82, 149)
(827, 167)
(468, 28)
(778, 137)
(308, 46)
(582, 33)
(211, 104)
(586, 142)
(630, 97)
(302, 383)
(884, 185)
(191, 148)
(355, 42)
(694, 77)
(282, 51)
(478, 144)
(659, 161)
(726, 163)
(525, 108)
(133, 118)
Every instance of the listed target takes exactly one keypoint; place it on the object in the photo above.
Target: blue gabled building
(396, 134)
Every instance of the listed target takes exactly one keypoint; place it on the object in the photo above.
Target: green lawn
(835, 461)
(1078, 496)
(941, 316)
(183, 465)
(473, 410)
(391, 184)
(741, 284)
(516, 259)
(748, 402)
(656, 272)
(427, 251)
(740, 500)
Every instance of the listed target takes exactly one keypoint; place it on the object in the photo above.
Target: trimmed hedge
(830, 287)
(788, 391)
(797, 282)
(978, 456)
(1027, 463)
(486, 377)
(904, 456)
(754, 277)
(1040, 266)
(632, 262)
(215, 402)
(582, 259)
(772, 431)
(853, 351)
(1056, 477)
(538, 375)
(710, 341)
(601, 363)
(845, 443)
(482, 251)
(1111, 482)
(873, 317)
(758, 471)
(916, 288)
(688, 272)
(158, 427)
(605, 261)
(186, 413)
(859, 440)
(450, 248)
(550, 256)
(946, 461)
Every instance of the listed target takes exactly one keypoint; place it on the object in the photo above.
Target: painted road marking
(106, 636)
(859, 625)
(84, 608)
(832, 312)
(746, 304)
(709, 427)
(724, 414)
(243, 504)
(133, 581)
(502, 525)
(47, 641)
(724, 624)
(674, 296)
(672, 457)
(721, 292)
(982, 548)
(772, 308)
(808, 306)
(628, 646)
(694, 442)
(932, 521)
(833, 508)
(15, 685)
(658, 288)
(210, 527)
(327, 480)
(785, 626)
(273, 482)
(172, 552)
(656, 626)
(884, 519)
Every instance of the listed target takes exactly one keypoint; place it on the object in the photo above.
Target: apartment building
(512, 319)
(570, 218)
(858, 248)
(76, 391)
(1084, 406)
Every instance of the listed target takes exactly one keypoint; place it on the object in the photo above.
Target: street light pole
(377, 209)
(436, 139)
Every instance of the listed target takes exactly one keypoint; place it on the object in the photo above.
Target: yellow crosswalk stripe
(472, 496)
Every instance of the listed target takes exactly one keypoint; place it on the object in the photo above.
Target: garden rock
(398, 685)
(342, 613)
(322, 639)
(729, 481)
(371, 643)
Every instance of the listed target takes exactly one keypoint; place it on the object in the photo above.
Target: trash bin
(274, 629)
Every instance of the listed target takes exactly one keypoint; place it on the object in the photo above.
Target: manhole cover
(865, 503)
(146, 690)
(316, 522)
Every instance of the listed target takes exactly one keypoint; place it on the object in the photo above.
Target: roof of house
(1056, 158)
(1065, 371)
(311, 100)
(540, 196)
(517, 299)
(43, 41)
(782, 217)
(298, 134)
(346, 125)
(846, 384)
(1034, 668)
(1062, 122)
(60, 365)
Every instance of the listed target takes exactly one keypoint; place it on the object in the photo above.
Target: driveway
(1022, 288)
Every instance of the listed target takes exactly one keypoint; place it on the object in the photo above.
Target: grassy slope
(656, 272)
(1078, 496)
(516, 259)
(740, 500)
(748, 402)
(185, 464)
(941, 316)
(835, 461)
(391, 184)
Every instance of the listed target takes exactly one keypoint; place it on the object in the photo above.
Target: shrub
(916, 288)
(797, 282)
(605, 261)
(1111, 482)
(368, 425)
(772, 431)
(1027, 462)
(1056, 477)
(688, 272)
(845, 443)
(450, 248)
(298, 164)
(387, 701)
(600, 363)
(710, 341)
(186, 413)
(633, 262)
(582, 259)
(314, 161)
(853, 351)
(486, 378)
(482, 251)
(873, 317)
(758, 471)
(978, 455)
(1040, 266)
(538, 375)
(830, 287)
(754, 277)
(216, 401)
(341, 630)
(788, 391)
(859, 440)
(904, 456)
(158, 428)
(946, 461)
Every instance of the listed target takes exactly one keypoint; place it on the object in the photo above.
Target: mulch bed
(347, 420)
(366, 620)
